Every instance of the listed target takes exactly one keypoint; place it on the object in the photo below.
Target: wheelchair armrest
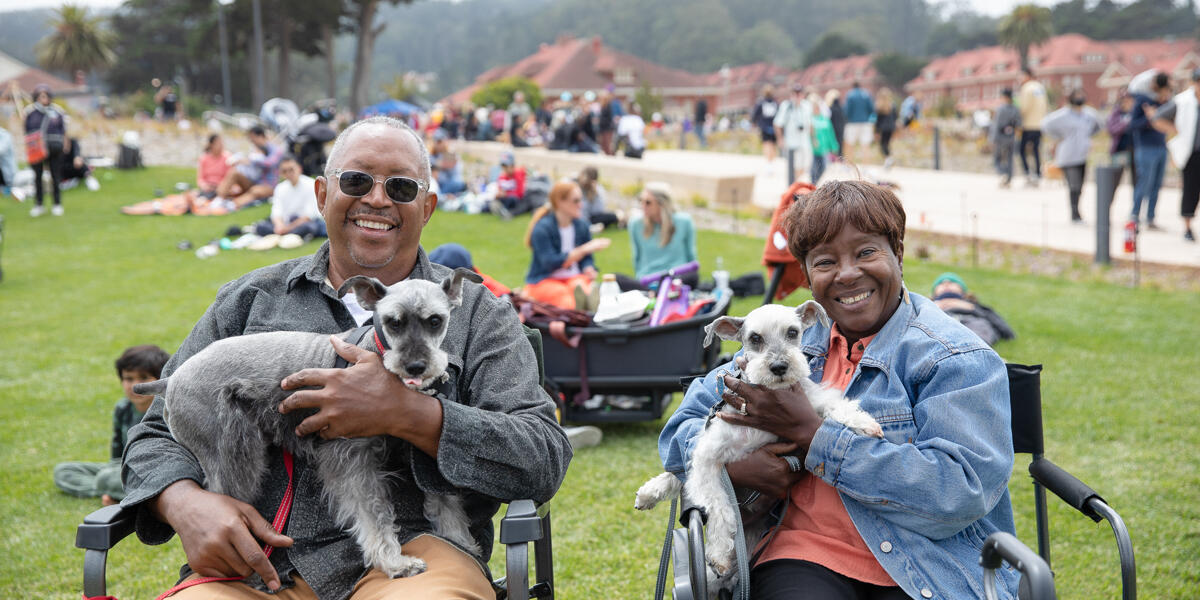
(522, 522)
(525, 521)
(1037, 582)
(1065, 486)
(102, 529)
(1087, 501)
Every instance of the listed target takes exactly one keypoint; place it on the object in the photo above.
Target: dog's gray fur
(222, 405)
(771, 337)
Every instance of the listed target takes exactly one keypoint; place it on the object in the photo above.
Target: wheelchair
(686, 543)
(524, 522)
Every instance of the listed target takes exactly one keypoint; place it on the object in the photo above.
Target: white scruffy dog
(770, 337)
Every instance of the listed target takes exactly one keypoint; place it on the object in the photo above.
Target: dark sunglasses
(358, 184)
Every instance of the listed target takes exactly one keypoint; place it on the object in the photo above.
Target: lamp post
(259, 72)
(226, 94)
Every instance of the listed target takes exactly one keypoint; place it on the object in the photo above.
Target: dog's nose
(779, 367)
(415, 367)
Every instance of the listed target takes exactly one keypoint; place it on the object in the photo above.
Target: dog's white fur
(232, 387)
(770, 337)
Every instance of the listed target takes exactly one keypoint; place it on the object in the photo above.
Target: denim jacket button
(886, 546)
(926, 593)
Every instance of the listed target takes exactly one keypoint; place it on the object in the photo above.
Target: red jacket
(512, 185)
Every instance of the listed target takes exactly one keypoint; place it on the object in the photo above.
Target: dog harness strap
(379, 344)
(281, 516)
(355, 338)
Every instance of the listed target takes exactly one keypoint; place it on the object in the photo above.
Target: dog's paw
(722, 567)
(873, 430)
(644, 501)
(404, 566)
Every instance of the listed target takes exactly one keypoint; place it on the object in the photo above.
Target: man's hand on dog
(765, 471)
(362, 400)
(785, 412)
(218, 532)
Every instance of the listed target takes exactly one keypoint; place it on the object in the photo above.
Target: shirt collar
(315, 269)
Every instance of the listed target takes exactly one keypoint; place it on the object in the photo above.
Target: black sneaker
(1188, 236)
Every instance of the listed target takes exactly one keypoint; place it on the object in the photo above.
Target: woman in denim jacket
(868, 518)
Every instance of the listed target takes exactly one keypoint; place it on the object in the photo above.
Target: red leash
(281, 515)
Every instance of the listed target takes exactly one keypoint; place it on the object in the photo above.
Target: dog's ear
(367, 290)
(452, 285)
(810, 313)
(727, 328)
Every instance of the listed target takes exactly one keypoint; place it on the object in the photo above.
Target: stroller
(307, 135)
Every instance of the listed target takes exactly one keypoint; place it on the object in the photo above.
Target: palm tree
(1026, 26)
(79, 42)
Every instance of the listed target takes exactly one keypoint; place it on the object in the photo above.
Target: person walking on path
(1003, 135)
(825, 144)
(837, 119)
(1121, 147)
(885, 124)
(764, 119)
(860, 114)
(1179, 116)
(700, 119)
(1149, 148)
(46, 125)
(1034, 105)
(1073, 127)
(793, 123)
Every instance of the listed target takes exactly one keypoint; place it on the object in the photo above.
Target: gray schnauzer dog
(770, 337)
(221, 404)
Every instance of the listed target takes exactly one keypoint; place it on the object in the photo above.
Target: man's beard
(363, 263)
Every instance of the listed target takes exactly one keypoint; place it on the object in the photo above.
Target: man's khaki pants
(450, 574)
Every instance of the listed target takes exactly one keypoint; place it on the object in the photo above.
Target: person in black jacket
(47, 121)
(837, 116)
(950, 294)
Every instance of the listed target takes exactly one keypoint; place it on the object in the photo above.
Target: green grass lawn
(1120, 390)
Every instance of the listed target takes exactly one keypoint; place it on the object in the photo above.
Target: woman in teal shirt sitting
(662, 238)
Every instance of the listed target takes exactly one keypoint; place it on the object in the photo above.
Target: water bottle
(720, 275)
(1131, 232)
(609, 289)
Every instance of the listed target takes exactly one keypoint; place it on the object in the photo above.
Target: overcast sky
(988, 7)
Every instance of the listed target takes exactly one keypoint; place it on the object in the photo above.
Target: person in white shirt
(294, 212)
(631, 131)
(793, 124)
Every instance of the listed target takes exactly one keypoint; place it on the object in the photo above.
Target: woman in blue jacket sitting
(562, 249)
(900, 517)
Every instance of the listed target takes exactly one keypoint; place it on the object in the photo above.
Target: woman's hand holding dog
(785, 412)
(362, 400)
(765, 471)
(218, 532)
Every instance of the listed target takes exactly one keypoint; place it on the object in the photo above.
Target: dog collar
(380, 340)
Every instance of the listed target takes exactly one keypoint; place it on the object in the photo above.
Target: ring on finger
(745, 408)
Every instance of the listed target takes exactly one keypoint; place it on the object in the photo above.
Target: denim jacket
(925, 497)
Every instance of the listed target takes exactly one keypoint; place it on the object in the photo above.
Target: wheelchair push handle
(1037, 582)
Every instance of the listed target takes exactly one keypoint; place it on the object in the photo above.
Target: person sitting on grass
(662, 238)
(510, 189)
(138, 364)
(562, 249)
(950, 295)
(212, 166)
(294, 213)
(594, 211)
(255, 175)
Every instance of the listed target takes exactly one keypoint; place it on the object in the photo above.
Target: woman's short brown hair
(818, 217)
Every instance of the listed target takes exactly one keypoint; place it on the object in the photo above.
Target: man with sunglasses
(489, 433)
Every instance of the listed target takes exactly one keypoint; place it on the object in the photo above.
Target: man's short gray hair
(339, 145)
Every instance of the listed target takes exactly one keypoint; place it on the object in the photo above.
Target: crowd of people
(811, 131)
(1150, 123)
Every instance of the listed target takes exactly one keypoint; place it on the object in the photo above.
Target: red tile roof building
(974, 78)
(579, 65)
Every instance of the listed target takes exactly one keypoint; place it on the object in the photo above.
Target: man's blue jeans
(1151, 162)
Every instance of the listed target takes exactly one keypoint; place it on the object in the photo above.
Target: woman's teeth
(854, 299)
